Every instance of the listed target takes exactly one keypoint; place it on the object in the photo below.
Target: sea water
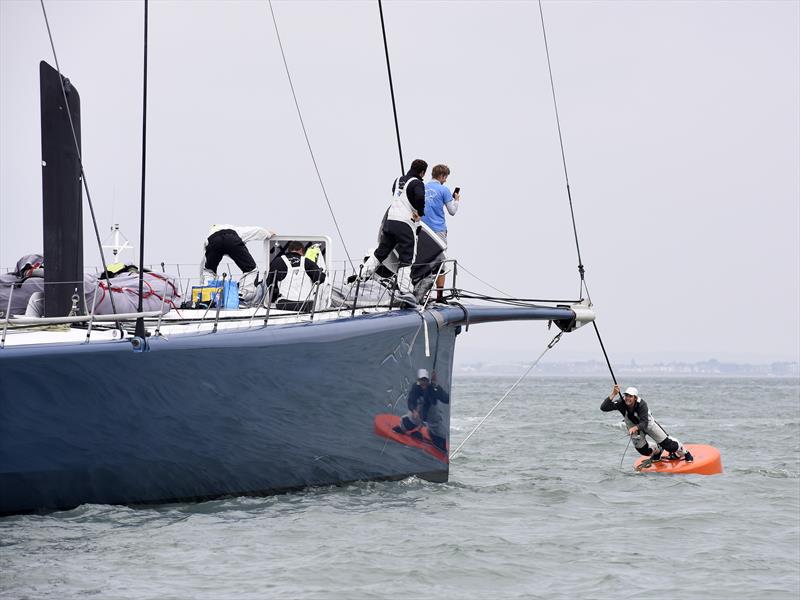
(537, 506)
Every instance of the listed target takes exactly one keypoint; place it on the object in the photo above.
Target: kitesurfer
(292, 276)
(231, 240)
(400, 227)
(641, 423)
(423, 400)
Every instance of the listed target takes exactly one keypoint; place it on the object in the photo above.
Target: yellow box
(205, 293)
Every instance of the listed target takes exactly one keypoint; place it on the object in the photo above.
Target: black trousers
(396, 234)
(227, 241)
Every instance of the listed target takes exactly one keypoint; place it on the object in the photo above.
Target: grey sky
(680, 119)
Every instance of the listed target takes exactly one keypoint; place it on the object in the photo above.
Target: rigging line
(603, 348)
(80, 157)
(140, 321)
(460, 264)
(515, 301)
(586, 287)
(561, 144)
(552, 343)
(305, 134)
(630, 437)
(472, 295)
(581, 269)
(391, 89)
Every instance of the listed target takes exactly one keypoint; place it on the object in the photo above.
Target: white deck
(174, 323)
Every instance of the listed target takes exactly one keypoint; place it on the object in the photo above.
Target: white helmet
(632, 391)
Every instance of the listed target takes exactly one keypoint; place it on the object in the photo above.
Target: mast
(62, 213)
(140, 331)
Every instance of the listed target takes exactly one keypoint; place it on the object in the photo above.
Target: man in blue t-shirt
(437, 198)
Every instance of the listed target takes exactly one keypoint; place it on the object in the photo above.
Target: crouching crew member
(641, 423)
(292, 277)
(231, 240)
(399, 230)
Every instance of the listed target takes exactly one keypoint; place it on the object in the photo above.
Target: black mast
(62, 213)
(140, 320)
(391, 90)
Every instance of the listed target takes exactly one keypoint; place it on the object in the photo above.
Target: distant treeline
(593, 367)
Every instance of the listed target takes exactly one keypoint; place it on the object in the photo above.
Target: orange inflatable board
(707, 461)
(384, 425)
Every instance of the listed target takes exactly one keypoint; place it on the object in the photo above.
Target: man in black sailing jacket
(640, 423)
(292, 276)
(400, 227)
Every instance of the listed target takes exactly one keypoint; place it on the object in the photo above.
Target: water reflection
(426, 422)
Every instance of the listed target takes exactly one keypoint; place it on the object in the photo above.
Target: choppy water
(537, 507)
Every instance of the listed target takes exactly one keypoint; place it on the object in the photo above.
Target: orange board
(707, 461)
(383, 427)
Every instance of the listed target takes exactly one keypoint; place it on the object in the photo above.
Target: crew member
(400, 227)
(231, 240)
(423, 408)
(640, 423)
(437, 198)
(292, 277)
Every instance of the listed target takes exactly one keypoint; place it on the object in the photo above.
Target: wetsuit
(640, 415)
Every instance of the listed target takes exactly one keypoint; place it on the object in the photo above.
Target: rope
(77, 150)
(391, 89)
(581, 269)
(603, 348)
(140, 332)
(460, 264)
(305, 134)
(464, 293)
(509, 298)
(561, 144)
(552, 343)
(630, 437)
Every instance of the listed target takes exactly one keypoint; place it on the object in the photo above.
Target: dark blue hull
(249, 412)
(257, 411)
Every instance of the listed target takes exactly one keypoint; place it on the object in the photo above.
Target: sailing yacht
(182, 402)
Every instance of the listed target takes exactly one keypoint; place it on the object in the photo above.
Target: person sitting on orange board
(641, 423)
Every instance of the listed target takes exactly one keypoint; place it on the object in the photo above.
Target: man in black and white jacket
(400, 228)
(641, 423)
(292, 277)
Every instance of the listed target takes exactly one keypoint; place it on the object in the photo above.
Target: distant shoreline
(710, 368)
(534, 374)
